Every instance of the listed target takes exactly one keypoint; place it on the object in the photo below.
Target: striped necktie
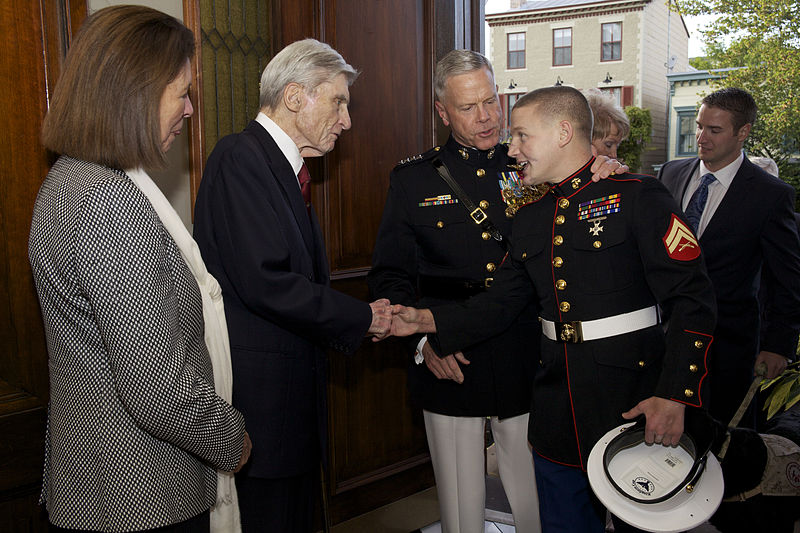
(694, 210)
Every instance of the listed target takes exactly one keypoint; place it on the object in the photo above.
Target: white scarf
(225, 513)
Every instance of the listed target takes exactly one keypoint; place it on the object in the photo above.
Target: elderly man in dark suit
(262, 241)
(744, 219)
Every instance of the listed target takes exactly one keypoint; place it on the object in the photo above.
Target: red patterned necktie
(305, 186)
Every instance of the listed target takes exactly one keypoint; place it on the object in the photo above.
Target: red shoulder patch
(680, 242)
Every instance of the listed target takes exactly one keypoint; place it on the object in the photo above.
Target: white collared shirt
(716, 190)
(284, 142)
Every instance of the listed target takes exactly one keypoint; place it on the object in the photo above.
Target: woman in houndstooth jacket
(135, 430)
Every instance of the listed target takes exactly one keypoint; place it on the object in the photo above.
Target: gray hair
(606, 113)
(458, 62)
(766, 163)
(308, 63)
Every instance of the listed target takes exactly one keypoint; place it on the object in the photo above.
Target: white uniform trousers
(456, 445)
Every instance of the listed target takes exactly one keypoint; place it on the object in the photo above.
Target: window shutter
(627, 95)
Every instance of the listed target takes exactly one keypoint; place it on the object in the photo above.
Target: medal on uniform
(442, 199)
(599, 207)
(516, 194)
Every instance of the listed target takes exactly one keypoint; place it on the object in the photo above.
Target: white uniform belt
(589, 330)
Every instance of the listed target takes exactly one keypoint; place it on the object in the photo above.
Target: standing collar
(473, 156)
(574, 182)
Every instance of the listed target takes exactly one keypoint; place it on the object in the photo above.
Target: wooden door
(33, 38)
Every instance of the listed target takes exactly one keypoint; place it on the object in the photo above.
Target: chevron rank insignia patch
(680, 242)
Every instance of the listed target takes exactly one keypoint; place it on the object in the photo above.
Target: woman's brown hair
(105, 106)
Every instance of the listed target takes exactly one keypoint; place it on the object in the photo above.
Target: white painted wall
(174, 181)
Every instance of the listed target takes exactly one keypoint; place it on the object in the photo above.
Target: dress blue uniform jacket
(427, 234)
(753, 227)
(587, 251)
(258, 240)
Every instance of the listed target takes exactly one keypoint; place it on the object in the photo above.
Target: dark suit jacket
(257, 239)
(754, 226)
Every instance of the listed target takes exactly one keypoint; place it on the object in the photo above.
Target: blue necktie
(694, 210)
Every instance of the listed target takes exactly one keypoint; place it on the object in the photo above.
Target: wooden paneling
(391, 109)
(34, 38)
(378, 450)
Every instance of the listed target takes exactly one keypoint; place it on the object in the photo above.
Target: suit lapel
(287, 180)
(729, 207)
(682, 179)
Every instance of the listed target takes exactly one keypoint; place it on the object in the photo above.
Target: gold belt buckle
(478, 215)
(571, 332)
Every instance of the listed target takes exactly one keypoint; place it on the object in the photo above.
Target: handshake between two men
(401, 321)
(398, 320)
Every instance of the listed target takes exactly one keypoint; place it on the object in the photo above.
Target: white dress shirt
(716, 190)
(285, 143)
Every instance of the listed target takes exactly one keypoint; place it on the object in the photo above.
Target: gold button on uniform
(560, 219)
(692, 368)
(688, 393)
(437, 148)
(597, 244)
(557, 262)
(563, 203)
(558, 240)
(484, 204)
(561, 284)
(480, 172)
(486, 236)
(698, 344)
(564, 307)
(490, 267)
(440, 224)
(524, 255)
(641, 364)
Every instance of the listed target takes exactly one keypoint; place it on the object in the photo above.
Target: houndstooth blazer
(135, 429)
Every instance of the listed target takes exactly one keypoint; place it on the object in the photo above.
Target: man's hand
(246, 447)
(444, 367)
(664, 420)
(604, 167)
(776, 363)
(381, 318)
(409, 320)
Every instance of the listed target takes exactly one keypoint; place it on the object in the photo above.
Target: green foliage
(701, 63)
(785, 390)
(630, 150)
(761, 37)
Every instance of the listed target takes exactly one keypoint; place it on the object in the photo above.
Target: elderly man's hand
(444, 367)
(664, 420)
(409, 320)
(604, 167)
(381, 318)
